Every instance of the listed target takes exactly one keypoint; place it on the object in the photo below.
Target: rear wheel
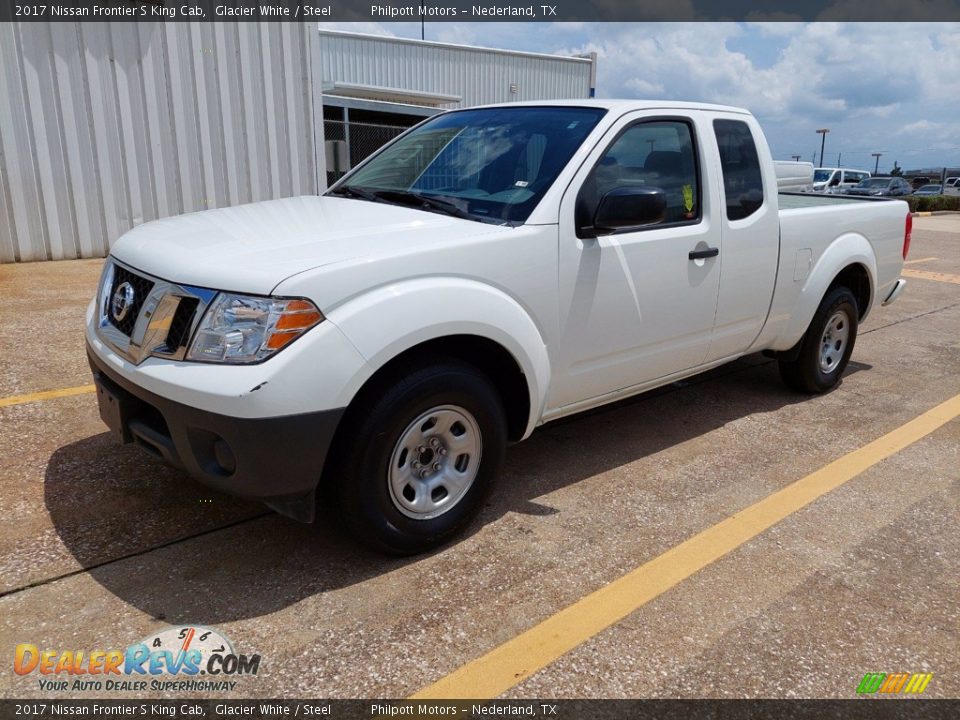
(827, 345)
(423, 455)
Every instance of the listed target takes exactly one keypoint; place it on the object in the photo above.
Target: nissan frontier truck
(490, 270)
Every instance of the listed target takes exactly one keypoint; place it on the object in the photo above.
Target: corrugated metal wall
(480, 76)
(107, 125)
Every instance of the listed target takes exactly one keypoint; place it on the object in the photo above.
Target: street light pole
(876, 165)
(796, 157)
(822, 132)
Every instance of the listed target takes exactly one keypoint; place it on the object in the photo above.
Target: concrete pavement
(103, 546)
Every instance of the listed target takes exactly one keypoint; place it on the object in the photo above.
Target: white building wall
(107, 125)
(479, 76)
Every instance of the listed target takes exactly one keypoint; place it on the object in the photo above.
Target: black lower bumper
(276, 460)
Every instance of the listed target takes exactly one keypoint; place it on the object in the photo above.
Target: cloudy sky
(879, 87)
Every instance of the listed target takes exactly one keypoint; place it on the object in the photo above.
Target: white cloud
(922, 126)
(873, 84)
(861, 80)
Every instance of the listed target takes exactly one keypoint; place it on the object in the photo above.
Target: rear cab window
(740, 165)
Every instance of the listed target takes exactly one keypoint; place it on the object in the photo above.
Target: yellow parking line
(921, 260)
(928, 275)
(46, 395)
(516, 660)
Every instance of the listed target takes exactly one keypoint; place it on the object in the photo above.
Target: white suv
(837, 180)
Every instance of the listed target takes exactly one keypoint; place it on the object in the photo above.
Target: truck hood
(252, 248)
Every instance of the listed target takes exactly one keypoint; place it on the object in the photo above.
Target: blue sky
(879, 87)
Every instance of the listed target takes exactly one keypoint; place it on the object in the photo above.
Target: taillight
(907, 232)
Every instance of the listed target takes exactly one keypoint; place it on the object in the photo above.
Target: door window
(742, 179)
(656, 155)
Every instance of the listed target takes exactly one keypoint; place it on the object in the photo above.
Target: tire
(423, 454)
(826, 346)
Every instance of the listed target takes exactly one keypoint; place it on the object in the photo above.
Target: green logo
(894, 683)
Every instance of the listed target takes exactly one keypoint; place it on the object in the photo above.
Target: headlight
(244, 329)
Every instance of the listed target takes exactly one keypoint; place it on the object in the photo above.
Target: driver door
(637, 303)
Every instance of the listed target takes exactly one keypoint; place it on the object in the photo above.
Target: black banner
(386, 11)
(856, 709)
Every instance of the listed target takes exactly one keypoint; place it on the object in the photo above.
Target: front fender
(846, 250)
(388, 320)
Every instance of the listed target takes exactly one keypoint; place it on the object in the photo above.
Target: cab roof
(623, 105)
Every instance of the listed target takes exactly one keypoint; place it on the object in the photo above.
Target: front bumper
(277, 460)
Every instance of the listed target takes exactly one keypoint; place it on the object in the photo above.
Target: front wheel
(827, 345)
(422, 456)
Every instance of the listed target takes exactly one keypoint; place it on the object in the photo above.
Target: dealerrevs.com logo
(191, 659)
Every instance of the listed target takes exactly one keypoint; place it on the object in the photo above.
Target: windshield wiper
(413, 199)
(407, 198)
(357, 192)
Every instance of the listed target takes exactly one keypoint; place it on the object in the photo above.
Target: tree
(897, 170)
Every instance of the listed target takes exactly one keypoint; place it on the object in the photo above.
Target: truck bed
(869, 231)
(795, 201)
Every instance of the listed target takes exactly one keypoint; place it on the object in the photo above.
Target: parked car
(883, 186)
(933, 189)
(951, 186)
(918, 182)
(490, 270)
(837, 180)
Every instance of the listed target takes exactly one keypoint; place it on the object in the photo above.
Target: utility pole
(876, 165)
(822, 132)
(838, 159)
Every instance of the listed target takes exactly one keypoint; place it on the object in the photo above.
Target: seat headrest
(664, 162)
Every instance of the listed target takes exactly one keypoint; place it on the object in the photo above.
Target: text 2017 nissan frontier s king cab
(490, 270)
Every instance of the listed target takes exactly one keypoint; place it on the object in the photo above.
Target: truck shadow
(181, 553)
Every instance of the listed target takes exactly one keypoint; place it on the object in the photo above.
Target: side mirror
(625, 208)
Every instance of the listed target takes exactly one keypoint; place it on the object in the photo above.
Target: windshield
(874, 183)
(822, 175)
(491, 165)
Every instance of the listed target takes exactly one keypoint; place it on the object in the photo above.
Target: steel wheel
(435, 462)
(833, 343)
(826, 346)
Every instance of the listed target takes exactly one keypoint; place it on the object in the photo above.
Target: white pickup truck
(489, 271)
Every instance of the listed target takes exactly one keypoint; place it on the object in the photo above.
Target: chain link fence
(348, 143)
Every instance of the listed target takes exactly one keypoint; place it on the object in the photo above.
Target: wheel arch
(415, 321)
(849, 260)
(856, 278)
(484, 354)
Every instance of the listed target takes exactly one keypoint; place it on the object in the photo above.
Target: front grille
(179, 334)
(141, 289)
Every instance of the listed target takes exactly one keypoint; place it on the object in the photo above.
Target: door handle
(702, 254)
